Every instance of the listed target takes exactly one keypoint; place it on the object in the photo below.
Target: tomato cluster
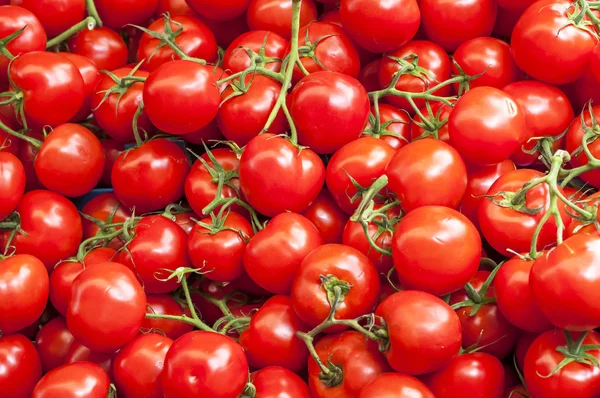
(290, 198)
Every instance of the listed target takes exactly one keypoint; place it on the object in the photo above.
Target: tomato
(329, 219)
(53, 342)
(380, 27)
(329, 110)
(431, 57)
(72, 381)
(394, 126)
(33, 37)
(547, 113)
(139, 365)
(103, 46)
(275, 15)
(55, 16)
(166, 305)
(421, 165)
(244, 112)
(515, 5)
(107, 327)
(595, 62)
(575, 136)
(80, 353)
(579, 198)
(194, 39)
(217, 248)
(91, 76)
(561, 281)
(270, 339)
(481, 374)
(507, 228)
(515, 299)
(548, 47)
(52, 226)
(575, 379)
(294, 180)
(107, 209)
(479, 141)
(219, 10)
(117, 13)
(114, 111)
(12, 180)
(227, 31)
(275, 381)
(487, 56)
(272, 257)
(173, 7)
(112, 150)
(523, 343)
(273, 45)
(179, 108)
(204, 364)
(337, 263)
(358, 358)
(151, 176)
(390, 385)
(369, 75)
(440, 113)
(20, 366)
(424, 332)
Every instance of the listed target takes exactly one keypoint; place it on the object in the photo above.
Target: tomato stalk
(478, 299)
(21, 135)
(4, 42)
(90, 7)
(575, 351)
(88, 23)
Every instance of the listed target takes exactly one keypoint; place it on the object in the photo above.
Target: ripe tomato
(339, 263)
(21, 366)
(110, 326)
(138, 366)
(481, 374)
(173, 7)
(427, 172)
(441, 112)
(112, 150)
(53, 342)
(91, 76)
(575, 136)
(394, 126)
(219, 10)
(380, 27)
(80, 353)
(275, 15)
(103, 46)
(74, 380)
(151, 176)
(292, 237)
(358, 357)
(227, 31)
(274, 47)
(194, 39)
(116, 13)
(12, 180)
(55, 16)
(204, 364)
(424, 332)
(275, 381)
(166, 305)
(329, 109)
(478, 141)
(507, 228)
(102, 207)
(369, 75)
(395, 385)
(329, 219)
(294, 180)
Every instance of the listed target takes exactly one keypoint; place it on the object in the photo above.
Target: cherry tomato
(55, 16)
(165, 305)
(575, 136)
(80, 353)
(275, 15)
(275, 381)
(53, 342)
(388, 385)
(74, 380)
(20, 366)
(329, 219)
(117, 13)
(273, 45)
(12, 180)
(103, 46)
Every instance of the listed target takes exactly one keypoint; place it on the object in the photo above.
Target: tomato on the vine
(53, 342)
(74, 380)
(270, 45)
(166, 305)
(21, 366)
(103, 46)
(275, 15)
(118, 13)
(275, 381)
(575, 136)
(327, 216)
(55, 16)
(12, 181)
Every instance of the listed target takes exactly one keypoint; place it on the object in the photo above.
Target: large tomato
(118, 13)
(56, 16)
(20, 366)
(395, 385)
(12, 180)
(327, 216)
(275, 15)
(103, 46)
(74, 380)
(270, 45)
(575, 136)
(275, 381)
(53, 342)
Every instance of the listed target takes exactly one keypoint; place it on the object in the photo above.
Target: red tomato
(53, 343)
(328, 102)
(275, 381)
(80, 353)
(523, 343)
(329, 219)
(369, 76)
(515, 5)
(107, 209)
(173, 7)
(103, 46)
(380, 27)
(27, 154)
(272, 257)
(274, 47)
(394, 126)
(166, 305)
(482, 375)
(548, 47)
(388, 385)
(12, 180)
(20, 366)
(219, 10)
(479, 141)
(427, 172)
(341, 263)
(424, 332)
(294, 180)
(275, 15)
(8, 143)
(204, 364)
(112, 150)
(227, 31)
(357, 356)
(91, 76)
(151, 176)
(110, 326)
(440, 113)
(56, 16)
(575, 136)
(117, 13)
(139, 365)
(74, 380)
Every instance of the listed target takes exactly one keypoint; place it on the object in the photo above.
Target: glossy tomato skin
(358, 357)
(116, 13)
(12, 180)
(103, 46)
(151, 176)
(369, 74)
(80, 353)
(91, 76)
(55, 16)
(345, 263)
(379, 27)
(398, 123)
(479, 373)
(424, 332)
(274, 15)
(204, 364)
(291, 237)
(138, 366)
(270, 339)
(479, 141)
(390, 385)
(327, 216)
(548, 47)
(21, 366)
(324, 123)
(273, 45)
(101, 208)
(165, 304)
(108, 327)
(575, 379)
(299, 175)
(53, 227)
(276, 382)
(53, 342)
(575, 136)
(74, 380)
(433, 165)
(561, 281)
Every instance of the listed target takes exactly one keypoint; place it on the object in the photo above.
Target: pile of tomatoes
(300, 199)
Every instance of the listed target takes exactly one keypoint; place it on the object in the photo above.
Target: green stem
(93, 12)
(35, 143)
(183, 318)
(191, 307)
(88, 23)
